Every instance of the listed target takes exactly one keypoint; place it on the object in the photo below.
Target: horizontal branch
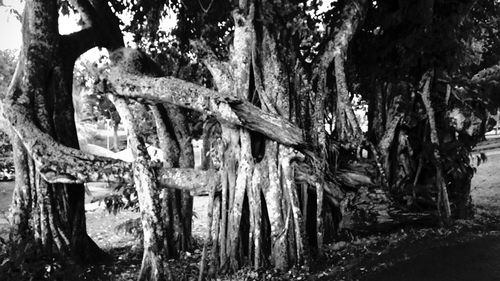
(271, 125)
(225, 108)
(59, 163)
(196, 181)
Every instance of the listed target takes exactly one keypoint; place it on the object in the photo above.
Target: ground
(359, 258)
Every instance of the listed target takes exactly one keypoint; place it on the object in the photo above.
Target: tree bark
(226, 107)
(154, 261)
(20, 210)
(443, 200)
(347, 127)
(38, 102)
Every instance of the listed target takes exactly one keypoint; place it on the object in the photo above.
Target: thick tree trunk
(259, 217)
(347, 126)
(43, 83)
(154, 261)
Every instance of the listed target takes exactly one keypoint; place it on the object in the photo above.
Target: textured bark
(258, 213)
(272, 195)
(186, 160)
(37, 104)
(348, 128)
(20, 210)
(169, 209)
(227, 108)
(443, 200)
(260, 219)
(154, 261)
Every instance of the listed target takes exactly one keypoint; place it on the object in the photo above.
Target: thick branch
(98, 15)
(195, 181)
(58, 163)
(228, 109)
(77, 43)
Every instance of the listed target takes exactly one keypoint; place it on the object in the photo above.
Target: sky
(10, 27)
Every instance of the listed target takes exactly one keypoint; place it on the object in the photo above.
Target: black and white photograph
(250, 140)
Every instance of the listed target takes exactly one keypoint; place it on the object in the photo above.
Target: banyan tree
(288, 159)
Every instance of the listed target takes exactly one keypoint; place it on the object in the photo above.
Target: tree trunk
(178, 152)
(443, 202)
(419, 150)
(44, 77)
(259, 216)
(347, 126)
(20, 210)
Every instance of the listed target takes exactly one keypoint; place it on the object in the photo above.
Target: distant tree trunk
(44, 77)
(419, 149)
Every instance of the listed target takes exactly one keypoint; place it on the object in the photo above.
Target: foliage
(132, 227)
(5, 145)
(8, 59)
(96, 106)
(206, 19)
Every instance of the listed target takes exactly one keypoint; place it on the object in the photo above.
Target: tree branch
(58, 163)
(98, 15)
(353, 9)
(196, 181)
(226, 108)
(219, 70)
(77, 43)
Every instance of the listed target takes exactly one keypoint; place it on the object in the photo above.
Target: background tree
(398, 56)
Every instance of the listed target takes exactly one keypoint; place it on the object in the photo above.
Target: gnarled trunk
(43, 82)
(262, 216)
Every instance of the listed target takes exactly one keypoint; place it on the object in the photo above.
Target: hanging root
(153, 268)
(208, 237)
